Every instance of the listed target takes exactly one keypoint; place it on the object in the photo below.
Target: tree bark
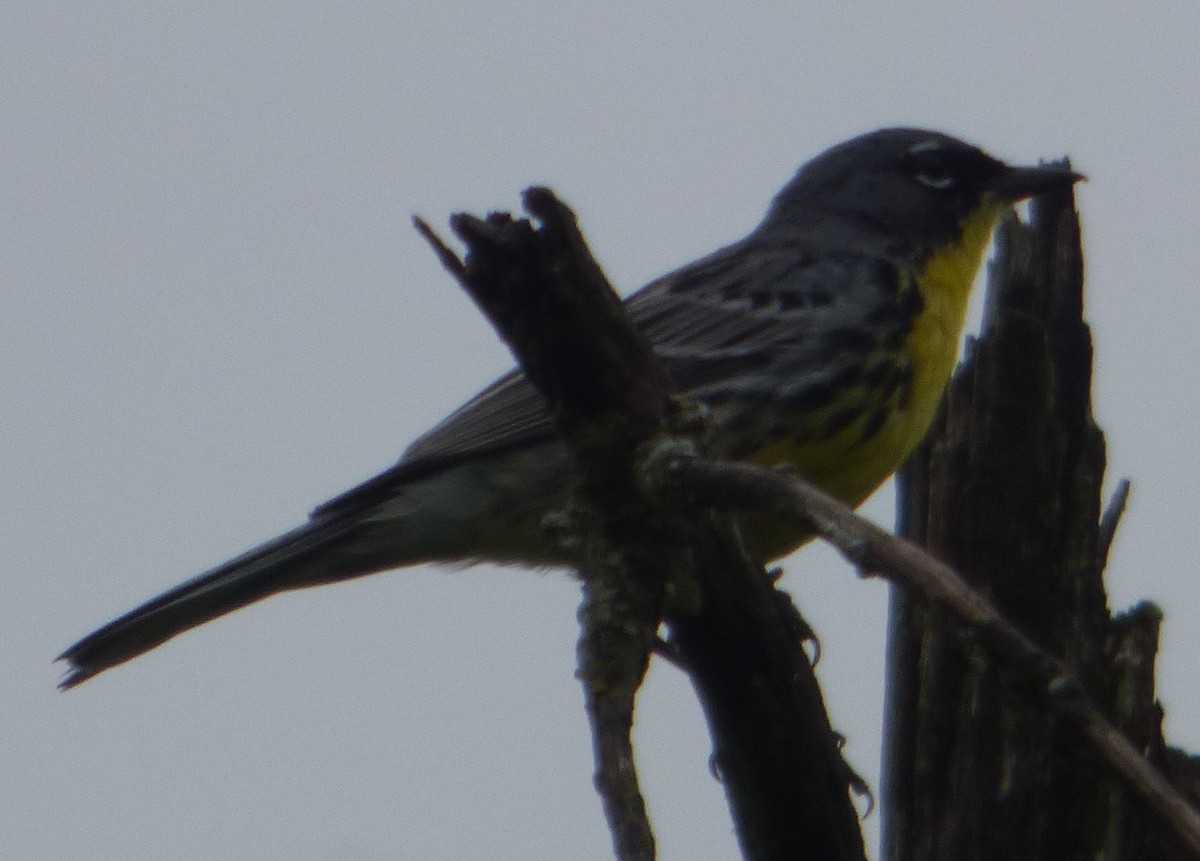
(1007, 491)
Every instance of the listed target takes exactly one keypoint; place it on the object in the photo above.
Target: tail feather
(294, 559)
(467, 511)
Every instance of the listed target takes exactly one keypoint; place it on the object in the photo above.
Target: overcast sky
(214, 314)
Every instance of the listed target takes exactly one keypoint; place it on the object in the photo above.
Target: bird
(822, 341)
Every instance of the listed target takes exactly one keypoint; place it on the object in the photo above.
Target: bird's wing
(726, 313)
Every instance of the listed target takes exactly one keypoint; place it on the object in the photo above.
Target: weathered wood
(647, 560)
(1008, 491)
(1063, 700)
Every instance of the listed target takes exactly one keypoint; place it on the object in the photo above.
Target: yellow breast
(851, 467)
(945, 284)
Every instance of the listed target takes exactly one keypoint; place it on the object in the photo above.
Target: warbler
(822, 340)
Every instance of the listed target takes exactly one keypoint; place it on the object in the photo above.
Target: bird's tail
(302, 557)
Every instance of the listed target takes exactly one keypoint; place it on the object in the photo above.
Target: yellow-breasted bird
(823, 340)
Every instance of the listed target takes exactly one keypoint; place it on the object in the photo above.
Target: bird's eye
(928, 167)
(937, 177)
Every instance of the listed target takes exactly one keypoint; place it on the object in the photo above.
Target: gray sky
(214, 315)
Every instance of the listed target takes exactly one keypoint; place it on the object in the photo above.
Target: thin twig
(614, 651)
(444, 252)
(1110, 519)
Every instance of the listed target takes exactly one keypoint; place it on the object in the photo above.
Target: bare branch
(874, 551)
(539, 288)
(643, 561)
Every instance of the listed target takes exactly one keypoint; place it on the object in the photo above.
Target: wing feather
(735, 309)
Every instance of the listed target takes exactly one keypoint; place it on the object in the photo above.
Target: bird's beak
(1018, 183)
